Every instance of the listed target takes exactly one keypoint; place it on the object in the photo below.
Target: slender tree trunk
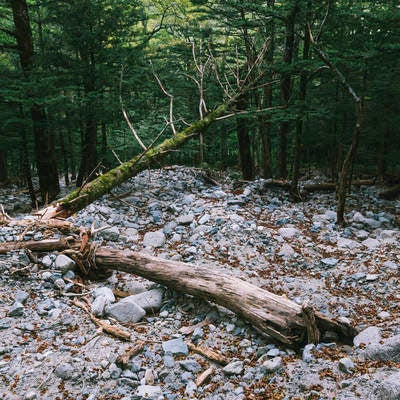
(286, 89)
(302, 97)
(44, 143)
(246, 158)
(71, 152)
(3, 166)
(64, 157)
(26, 169)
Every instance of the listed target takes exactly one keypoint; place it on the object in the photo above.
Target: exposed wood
(270, 314)
(210, 354)
(331, 187)
(187, 330)
(204, 376)
(123, 359)
(391, 193)
(110, 329)
(40, 246)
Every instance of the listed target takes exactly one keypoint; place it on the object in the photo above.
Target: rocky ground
(51, 349)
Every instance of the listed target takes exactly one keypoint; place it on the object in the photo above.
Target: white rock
(154, 239)
(126, 312)
(185, 219)
(273, 365)
(64, 263)
(288, 233)
(104, 291)
(286, 251)
(149, 300)
(345, 243)
(372, 334)
(371, 243)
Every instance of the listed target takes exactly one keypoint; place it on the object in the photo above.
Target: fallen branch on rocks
(210, 354)
(110, 329)
(270, 314)
(123, 359)
(204, 376)
(330, 186)
(390, 193)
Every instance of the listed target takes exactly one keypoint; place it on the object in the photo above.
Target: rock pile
(50, 349)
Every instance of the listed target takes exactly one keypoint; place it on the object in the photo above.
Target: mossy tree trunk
(81, 197)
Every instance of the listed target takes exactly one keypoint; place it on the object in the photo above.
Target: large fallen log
(390, 193)
(270, 314)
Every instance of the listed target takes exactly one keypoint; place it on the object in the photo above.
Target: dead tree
(270, 314)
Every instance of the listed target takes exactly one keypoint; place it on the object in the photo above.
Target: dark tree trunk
(26, 170)
(246, 158)
(286, 90)
(104, 144)
(71, 153)
(3, 166)
(89, 140)
(302, 98)
(65, 158)
(44, 143)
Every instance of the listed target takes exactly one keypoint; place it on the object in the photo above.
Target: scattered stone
(369, 335)
(47, 262)
(346, 365)
(154, 239)
(64, 371)
(64, 263)
(16, 310)
(185, 219)
(21, 296)
(272, 365)
(150, 300)
(111, 234)
(388, 351)
(389, 388)
(126, 311)
(106, 292)
(149, 392)
(288, 233)
(329, 262)
(234, 368)
(176, 347)
(98, 305)
(371, 244)
(308, 356)
(190, 365)
(286, 251)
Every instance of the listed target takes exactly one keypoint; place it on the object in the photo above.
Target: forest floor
(50, 349)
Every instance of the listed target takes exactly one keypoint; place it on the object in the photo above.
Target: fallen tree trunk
(391, 193)
(331, 187)
(81, 197)
(270, 314)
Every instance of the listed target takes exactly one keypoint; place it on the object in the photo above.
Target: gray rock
(185, 219)
(149, 300)
(346, 365)
(149, 392)
(371, 277)
(59, 284)
(347, 243)
(111, 234)
(388, 351)
(190, 365)
(65, 371)
(369, 335)
(154, 239)
(64, 263)
(383, 315)
(329, 262)
(126, 312)
(286, 251)
(98, 305)
(288, 233)
(21, 296)
(391, 265)
(44, 306)
(190, 389)
(273, 352)
(106, 292)
(198, 333)
(31, 395)
(149, 376)
(131, 234)
(272, 365)
(47, 261)
(389, 388)
(371, 243)
(16, 310)
(234, 368)
(169, 361)
(175, 347)
(307, 353)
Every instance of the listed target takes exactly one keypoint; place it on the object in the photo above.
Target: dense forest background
(86, 85)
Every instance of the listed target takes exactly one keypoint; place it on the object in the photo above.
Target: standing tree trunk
(246, 159)
(286, 89)
(3, 166)
(44, 143)
(64, 158)
(89, 138)
(302, 97)
(26, 169)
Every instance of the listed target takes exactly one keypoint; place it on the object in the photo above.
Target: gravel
(50, 348)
